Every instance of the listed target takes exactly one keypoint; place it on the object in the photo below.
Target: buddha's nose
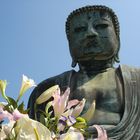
(91, 32)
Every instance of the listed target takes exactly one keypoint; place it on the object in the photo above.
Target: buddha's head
(93, 34)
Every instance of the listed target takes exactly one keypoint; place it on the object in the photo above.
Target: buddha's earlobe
(73, 64)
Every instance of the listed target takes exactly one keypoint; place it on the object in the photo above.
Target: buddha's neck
(94, 67)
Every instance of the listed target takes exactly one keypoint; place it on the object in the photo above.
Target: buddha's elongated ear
(73, 64)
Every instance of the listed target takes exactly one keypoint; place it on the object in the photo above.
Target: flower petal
(72, 103)
(64, 99)
(68, 112)
(47, 94)
(71, 120)
(60, 102)
(79, 108)
(5, 114)
(56, 103)
(102, 135)
(3, 84)
(26, 84)
(62, 123)
(90, 112)
(8, 127)
(72, 134)
(17, 115)
(27, 132)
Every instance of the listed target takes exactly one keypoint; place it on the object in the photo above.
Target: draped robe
(129, 126)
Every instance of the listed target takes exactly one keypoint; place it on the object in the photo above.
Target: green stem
(19, 96)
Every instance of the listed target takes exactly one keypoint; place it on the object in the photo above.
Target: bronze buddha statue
(94, 43)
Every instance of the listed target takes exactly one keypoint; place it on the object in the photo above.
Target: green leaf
(42, 119)
(21, 107)
(12, 102)
(7, 108)
(46, 122)
(50, 114)
(25, 111)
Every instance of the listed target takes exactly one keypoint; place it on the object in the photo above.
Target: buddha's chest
(103, 88)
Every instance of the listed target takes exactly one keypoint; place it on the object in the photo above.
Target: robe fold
(129, 126)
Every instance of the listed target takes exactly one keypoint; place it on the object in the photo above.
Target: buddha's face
(92, 37)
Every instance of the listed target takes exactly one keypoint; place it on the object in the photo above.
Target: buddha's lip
(92, 52)
(89, 54)
(92, 48)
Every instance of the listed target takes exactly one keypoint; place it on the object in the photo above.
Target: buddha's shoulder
(129, 69)
(60, 79)
(129, 73)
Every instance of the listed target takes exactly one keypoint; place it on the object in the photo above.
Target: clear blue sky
(33, 40)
